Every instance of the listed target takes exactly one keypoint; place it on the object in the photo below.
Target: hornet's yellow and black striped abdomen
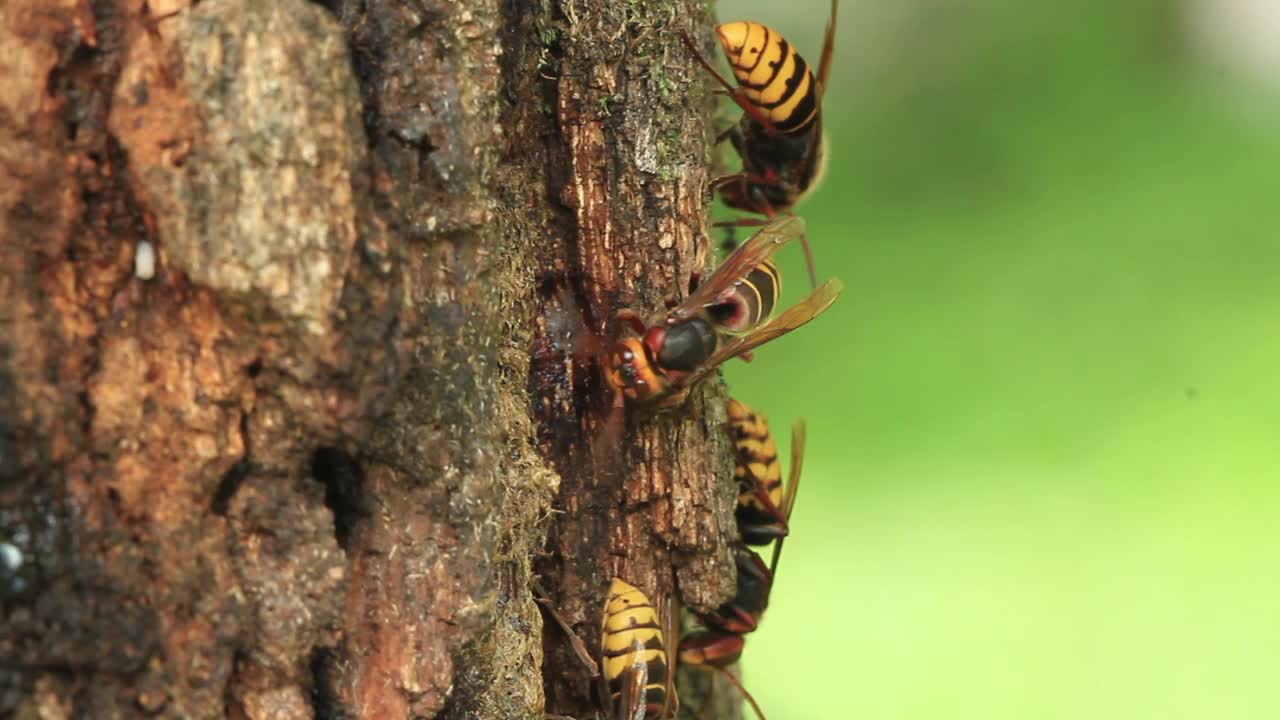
(760, 290)
(632, 637)
(752, 301)
(756, 462)
(773, 76)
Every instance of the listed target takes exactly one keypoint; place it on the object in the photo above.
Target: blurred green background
(1044, 416)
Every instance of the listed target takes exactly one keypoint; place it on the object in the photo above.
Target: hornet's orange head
(630, 368)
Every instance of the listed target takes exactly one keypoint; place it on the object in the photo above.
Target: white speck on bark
(144, 261)
(10, 557)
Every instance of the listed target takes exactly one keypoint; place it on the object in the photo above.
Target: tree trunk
(308, 464)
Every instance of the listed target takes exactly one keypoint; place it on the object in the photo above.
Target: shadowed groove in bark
(228, 486)
(237, 473)
(326, 703)
(343, 482)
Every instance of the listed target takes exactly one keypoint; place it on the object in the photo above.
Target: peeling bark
(310, 468)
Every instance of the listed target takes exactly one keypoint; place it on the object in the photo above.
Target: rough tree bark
(311, 466)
